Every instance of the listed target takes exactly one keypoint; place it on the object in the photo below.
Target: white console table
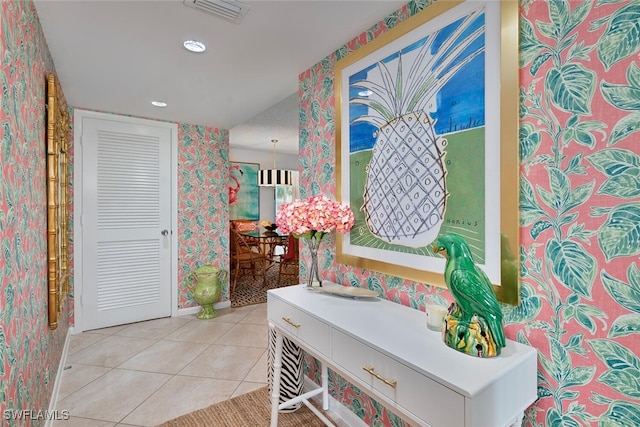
(387, 351)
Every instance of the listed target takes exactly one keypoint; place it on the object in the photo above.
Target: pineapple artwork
(405, 193)
(412, 104)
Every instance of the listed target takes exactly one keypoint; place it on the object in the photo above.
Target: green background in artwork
(247, 205)
(465, 206)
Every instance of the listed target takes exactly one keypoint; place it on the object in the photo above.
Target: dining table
(268, 241)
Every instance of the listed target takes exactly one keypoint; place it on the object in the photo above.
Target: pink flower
(316, 214)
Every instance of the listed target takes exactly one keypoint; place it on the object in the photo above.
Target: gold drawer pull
(390, 383)
(291, 322)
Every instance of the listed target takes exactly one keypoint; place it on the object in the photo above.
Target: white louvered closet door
(126, 222)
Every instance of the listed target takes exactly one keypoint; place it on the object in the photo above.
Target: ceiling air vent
(230, 10)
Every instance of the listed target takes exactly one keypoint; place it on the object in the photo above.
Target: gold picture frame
(488, 31)
(57, 199)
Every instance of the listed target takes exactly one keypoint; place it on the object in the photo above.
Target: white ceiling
(118, 56)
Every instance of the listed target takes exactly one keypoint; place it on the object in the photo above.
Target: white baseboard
(338, 412)
(194, 310)
(58, 379)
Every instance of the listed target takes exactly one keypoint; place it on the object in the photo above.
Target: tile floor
(146, 373)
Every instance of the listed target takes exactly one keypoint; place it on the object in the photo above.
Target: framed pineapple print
(427, 133)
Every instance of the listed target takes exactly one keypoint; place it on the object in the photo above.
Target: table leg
(269, 248)
(277, 368)
(325, 387)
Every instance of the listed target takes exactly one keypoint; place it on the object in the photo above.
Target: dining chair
(246, 259)
(271, 245)
(289, 262)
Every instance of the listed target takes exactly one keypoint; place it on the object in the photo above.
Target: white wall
(265, 159)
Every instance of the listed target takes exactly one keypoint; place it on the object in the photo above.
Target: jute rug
(250, 291)
(247, 410)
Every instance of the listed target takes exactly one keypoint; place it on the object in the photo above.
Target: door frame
(78, 115)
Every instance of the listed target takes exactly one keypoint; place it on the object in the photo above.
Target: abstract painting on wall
(244, 193)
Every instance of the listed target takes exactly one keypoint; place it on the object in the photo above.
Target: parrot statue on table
(471, 289)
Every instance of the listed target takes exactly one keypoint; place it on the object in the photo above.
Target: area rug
(247, 410)
(250, 291)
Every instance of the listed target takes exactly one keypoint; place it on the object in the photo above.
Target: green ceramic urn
(204, 284)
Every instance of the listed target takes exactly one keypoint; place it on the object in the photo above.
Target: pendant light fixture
(272, 177)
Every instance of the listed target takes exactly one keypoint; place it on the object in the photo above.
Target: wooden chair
(289, 262)
(246, 259)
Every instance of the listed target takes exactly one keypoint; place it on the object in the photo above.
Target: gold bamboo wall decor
(57, 199)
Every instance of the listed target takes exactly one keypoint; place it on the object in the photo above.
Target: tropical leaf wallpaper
(203, 205)
(579, 209)
(29, 351)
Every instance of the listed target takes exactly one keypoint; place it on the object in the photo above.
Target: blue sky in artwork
(458, 105)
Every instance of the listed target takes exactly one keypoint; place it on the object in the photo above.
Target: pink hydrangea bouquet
(311, 219)
(317, 214)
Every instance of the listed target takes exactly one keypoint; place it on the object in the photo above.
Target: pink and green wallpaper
(203, 205)
(29, 351)
(579, 209)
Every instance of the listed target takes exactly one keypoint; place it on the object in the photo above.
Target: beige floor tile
(258, 374)
(78, 376)
(195, 393)
(215, 360)
(246, 335)
(111, 351)
(154, 329)
(258, 316)
(114, 395)
(223, 362)
(83, 340)
(167, 357)
(82, 422)
(246, 387)
(200, 331)
(234, 314)
(109, 331)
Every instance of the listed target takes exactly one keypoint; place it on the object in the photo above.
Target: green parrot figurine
(474, 296)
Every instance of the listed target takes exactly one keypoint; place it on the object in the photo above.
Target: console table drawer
(425, 398)
(304, 327)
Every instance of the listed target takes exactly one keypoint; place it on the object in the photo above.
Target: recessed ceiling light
(194, 46)
(158, 104)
